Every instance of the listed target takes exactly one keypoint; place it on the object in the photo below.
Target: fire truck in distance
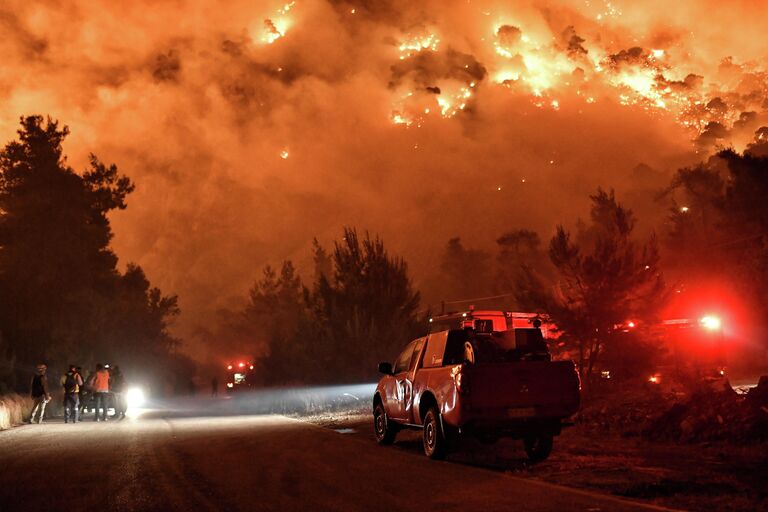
(240, 377)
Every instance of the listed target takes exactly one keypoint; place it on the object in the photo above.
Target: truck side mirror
(385, 368)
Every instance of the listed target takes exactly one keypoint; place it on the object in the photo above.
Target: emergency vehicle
(240, 377)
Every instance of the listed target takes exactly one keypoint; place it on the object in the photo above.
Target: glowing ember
(276, 27)
(417, 44)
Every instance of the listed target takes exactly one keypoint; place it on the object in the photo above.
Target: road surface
(256, 463)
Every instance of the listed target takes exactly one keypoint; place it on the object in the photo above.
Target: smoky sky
(251, 127)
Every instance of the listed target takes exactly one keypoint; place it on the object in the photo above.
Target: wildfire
(277, 26)
(413, 45)
(550, 67)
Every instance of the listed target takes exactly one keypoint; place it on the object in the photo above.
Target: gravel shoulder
(706, 476)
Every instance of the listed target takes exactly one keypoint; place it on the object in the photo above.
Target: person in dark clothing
(39, 393)
(116, 387)
(72, 381)
(214, 387)
(83, 393)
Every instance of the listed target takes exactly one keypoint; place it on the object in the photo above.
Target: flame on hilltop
(277, 26)
(547, 67)
(413, 45)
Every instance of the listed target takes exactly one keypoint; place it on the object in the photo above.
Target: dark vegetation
(357, 312)
(62, 297)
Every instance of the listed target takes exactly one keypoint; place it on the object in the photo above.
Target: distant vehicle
(484, 384)
(240, 377)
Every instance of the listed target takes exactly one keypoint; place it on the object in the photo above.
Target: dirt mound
(626, 410)
(715, 413)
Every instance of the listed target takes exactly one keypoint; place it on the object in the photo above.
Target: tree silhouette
(602, 280)
(61, 295)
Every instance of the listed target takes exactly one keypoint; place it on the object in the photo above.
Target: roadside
(14, 409)
(703, 476)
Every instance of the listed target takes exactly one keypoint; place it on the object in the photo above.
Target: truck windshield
(513, 345)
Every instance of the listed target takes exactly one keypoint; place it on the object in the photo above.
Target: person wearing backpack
(39, 393)
(72, 381)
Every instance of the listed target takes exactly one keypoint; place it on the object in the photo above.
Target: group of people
(103, 387)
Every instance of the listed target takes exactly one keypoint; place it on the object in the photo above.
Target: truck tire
(538, 446)
(435, 442)
(384, 429)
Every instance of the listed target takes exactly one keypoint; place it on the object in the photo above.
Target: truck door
(403, 381)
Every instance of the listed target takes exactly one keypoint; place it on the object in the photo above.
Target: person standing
(39, 393)
(116, 387)
(72, 381)
(83, 394)
(215, 387)
(100, 390)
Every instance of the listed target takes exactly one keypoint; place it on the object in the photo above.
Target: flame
(413, 45)
(547, 67)
(277, 26)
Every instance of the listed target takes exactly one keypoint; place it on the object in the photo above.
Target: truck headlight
(134, 398)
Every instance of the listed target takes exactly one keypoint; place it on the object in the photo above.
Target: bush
(14, 409)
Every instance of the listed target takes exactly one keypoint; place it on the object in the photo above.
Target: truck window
(416, 351)
(454, 347)
(510, 346)
(404, 359)
(530, 340)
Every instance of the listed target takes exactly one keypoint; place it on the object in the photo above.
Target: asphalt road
(231, 463)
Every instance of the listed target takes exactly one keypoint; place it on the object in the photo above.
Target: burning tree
(604, 280)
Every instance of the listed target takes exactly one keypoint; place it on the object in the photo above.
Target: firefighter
(72, 381)
(100, 389)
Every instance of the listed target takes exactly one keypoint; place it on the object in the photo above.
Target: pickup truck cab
(459, 382)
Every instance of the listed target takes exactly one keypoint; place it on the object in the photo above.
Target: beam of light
(711, 322)
(340, 399)
(134, 398)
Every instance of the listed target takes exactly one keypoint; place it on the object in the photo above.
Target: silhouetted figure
(214, 387)
(72, 381)
(117, 387)
(39, 393)
(86, 390)
(101, 391)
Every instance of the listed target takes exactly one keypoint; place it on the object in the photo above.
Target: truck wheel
(435, 442)
(385, 430)
(538, 446)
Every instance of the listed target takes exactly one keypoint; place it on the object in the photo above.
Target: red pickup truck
(459, 382)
